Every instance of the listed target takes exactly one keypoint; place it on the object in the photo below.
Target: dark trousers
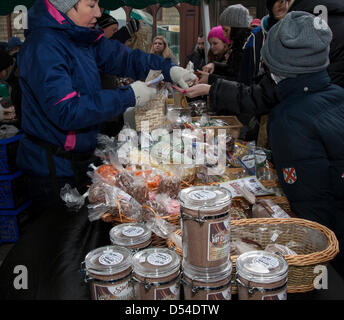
(42, 194)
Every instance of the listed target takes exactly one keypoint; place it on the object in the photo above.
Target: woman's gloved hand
(182, 77)
(143, 93)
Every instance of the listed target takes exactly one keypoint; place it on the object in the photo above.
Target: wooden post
(155, 9)
(9, 26)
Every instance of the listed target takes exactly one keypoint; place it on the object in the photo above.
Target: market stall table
(54, 246)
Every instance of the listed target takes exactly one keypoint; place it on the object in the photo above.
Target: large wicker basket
(320, 246)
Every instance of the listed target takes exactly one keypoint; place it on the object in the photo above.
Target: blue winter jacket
(63, 102)
(306, 132)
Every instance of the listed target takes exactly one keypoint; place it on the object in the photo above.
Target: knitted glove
(143, 93)
(182, 77)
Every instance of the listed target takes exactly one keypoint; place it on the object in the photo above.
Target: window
(168, 25)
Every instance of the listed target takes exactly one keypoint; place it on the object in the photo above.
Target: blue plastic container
(8, 153)
(13, 191)
(9, 224)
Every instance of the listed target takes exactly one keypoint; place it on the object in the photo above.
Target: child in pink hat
(219, 45)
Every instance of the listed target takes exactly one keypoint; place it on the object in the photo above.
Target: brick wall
(169, 16)
(4, 31)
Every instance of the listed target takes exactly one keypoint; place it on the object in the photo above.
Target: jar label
(120, 291)
(159, 259)
(171, 292)
(282, 295)
(221, 295)
(219, 240)
(249, 161)
(132, 231)
(203, 195)
(260, 156)
(110, 258)
(267, 262)
(279, 212)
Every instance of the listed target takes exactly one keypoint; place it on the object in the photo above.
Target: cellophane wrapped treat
(279, 249)
(73, 199)
(240, 246)
(156, 213)
(267, 208)
(133, 185)
(109, 202)
(170, 185)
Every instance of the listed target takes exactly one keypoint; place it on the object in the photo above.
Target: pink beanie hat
(217, 32)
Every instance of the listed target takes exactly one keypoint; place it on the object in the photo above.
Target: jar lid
(261, 266)
(108, 260)
(156, 262)
(130, 234)
(212, 274)
(205, 198)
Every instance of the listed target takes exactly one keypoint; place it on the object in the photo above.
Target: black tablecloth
(52, 249)
(56, 243)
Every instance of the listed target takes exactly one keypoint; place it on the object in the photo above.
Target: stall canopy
(7, 7)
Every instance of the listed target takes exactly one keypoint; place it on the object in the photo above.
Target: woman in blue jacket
(63, 102)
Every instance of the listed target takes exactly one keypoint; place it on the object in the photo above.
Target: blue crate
(9, 225)
(13, 190)
(8, 153)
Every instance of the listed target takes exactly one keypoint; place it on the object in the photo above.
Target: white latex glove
(182, 77)
(143, 93)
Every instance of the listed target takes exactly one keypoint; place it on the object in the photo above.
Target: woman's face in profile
(85, 13)
(280, 9)
(217, 46)
(158, 46)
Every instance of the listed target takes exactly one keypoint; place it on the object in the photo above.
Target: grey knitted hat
(297, 45)
(236, 16)
(63, 5)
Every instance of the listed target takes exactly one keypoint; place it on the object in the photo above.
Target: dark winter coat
(245, 102)
(197, 57)
(252, 65)
(306, 134)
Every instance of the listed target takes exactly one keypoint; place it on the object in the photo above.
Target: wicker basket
(319, 250)
(154, 112)
(123, 219)
(233, 128)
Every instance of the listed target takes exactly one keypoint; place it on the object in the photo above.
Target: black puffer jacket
(335, 10)
(235, 98)
(197, 57)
